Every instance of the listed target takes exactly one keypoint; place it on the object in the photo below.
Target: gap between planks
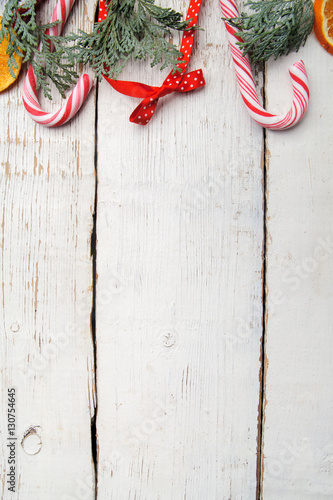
(263, 366)
(94, 439)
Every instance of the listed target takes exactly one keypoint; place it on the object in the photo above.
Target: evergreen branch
(166, 17)
(132, 29)
(274, 28)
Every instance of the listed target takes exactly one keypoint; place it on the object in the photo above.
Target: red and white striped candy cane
(247, 86)
(77, 97)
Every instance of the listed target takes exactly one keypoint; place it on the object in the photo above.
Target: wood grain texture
(298, 434)
(179, 305)
(179, 289)
(47, 198)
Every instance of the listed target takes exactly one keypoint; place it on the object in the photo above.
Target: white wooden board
(179, 290)
(298, 434)
(47, 199)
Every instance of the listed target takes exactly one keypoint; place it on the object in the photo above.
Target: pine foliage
(274, 27)
(132, 29)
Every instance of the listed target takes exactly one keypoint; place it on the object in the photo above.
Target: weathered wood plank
(47, 195)
(179, 290)
(298, 434)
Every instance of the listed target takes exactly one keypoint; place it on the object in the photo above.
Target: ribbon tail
(132, 89)
(144, 111)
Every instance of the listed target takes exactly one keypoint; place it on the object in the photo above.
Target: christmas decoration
(274, 27)
(176, 81)
(136, 29)
(36, 44)
(127, 31)
(247, 86)
(79, 93)
(8, 74)
(323, 24)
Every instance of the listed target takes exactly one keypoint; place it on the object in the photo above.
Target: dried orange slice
(323, 23)
(6, 78)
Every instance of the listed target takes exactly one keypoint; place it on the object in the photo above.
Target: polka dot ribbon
(177, 82)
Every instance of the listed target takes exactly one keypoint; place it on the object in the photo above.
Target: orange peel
(6, 79)
(323, 23)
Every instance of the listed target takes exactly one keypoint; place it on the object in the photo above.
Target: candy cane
(77, 97)
(247, 86)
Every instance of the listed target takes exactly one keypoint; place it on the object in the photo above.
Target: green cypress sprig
(132, 29)
(274, 27)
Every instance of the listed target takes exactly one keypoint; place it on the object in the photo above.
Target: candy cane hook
(247, 87)
(77, 97)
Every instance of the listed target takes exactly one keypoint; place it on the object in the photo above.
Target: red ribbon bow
(175, 82)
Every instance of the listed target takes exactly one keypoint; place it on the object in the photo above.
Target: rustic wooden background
(166, 291)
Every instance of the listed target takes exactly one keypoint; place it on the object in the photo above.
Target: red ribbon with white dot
(175, 82)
